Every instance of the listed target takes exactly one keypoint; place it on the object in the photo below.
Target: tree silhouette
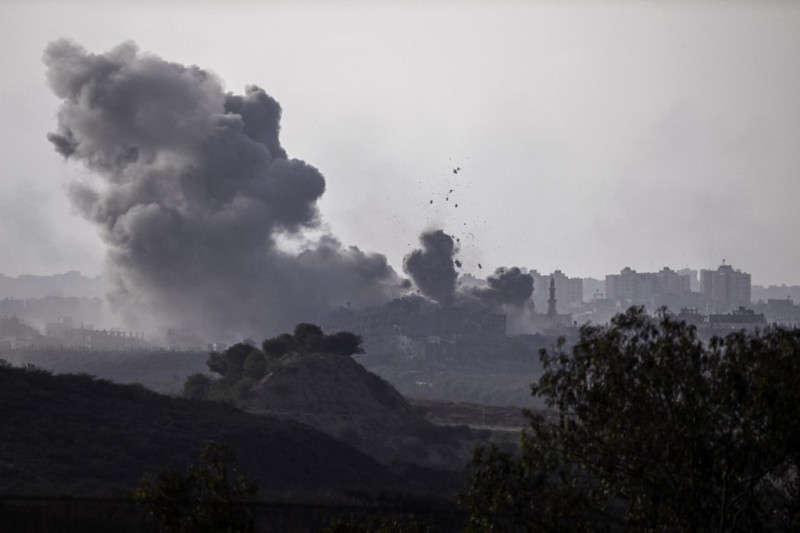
(309, 338)
(202, 499)
(652, 429)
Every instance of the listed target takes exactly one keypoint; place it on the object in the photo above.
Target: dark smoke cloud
(197, 192)
(433, 271)
(508, 286)
(432, 268)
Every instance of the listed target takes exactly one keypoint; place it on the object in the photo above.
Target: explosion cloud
(508, 286)
(432, 268)
(196, 191)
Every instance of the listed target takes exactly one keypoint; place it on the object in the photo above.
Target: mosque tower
(551, 303)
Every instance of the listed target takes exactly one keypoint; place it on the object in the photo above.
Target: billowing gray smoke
(508, 286)
(432, 268)
(197, 190)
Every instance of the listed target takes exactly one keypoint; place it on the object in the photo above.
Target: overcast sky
(590, 136)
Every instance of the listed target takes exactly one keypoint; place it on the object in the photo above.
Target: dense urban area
(69, 310)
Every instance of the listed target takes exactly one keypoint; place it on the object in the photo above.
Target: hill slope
(74, 433)
(335, 394)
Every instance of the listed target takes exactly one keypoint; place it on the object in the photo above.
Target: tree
(343, 343)
(202, 499)
(280, 345)
(230, 363)
(652, 429)
(255, 366)
(197, 386)
(309, 338)
(242, 365)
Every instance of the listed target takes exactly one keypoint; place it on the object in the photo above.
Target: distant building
(63, 333)
(738, 319)
(552, 322)
(670, 282)
(646, 288)
(694, 280)
(725, 288)
(629, 286)
(593, 289)
(691, 316)
(780, 311)
(417, 329)
(570, 290)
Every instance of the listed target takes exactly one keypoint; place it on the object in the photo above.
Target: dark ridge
(77, 434)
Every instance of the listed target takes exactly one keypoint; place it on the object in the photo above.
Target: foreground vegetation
(653, 430)
(648, 429)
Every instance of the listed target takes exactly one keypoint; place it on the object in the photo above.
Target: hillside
(337, 395)
(160, 370)
(74, 433)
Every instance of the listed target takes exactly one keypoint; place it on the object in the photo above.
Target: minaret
(551, 303)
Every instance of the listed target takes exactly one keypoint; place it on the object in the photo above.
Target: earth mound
(335, 394)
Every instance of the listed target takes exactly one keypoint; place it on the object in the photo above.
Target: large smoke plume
(196, 191)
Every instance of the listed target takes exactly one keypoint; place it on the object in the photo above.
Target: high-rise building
(670, 282)
(629, 286)
(641, 287)
(725, 286)
(694, 281)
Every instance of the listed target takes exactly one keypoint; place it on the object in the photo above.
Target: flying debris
(457, 262)
(455, 170)
(479, 266)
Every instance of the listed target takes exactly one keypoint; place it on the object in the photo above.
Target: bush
(202, 499)
(197, 387)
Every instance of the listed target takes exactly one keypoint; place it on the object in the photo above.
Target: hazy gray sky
(590, 135)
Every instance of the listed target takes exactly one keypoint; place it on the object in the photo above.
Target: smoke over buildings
(508, 286)
(195, 193)
(432, 268)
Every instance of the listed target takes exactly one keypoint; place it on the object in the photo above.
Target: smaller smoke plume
(432, 268)
(433, 271)
(508, 286)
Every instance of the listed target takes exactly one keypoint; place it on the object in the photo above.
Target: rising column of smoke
(432, 268)
(196, 189)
